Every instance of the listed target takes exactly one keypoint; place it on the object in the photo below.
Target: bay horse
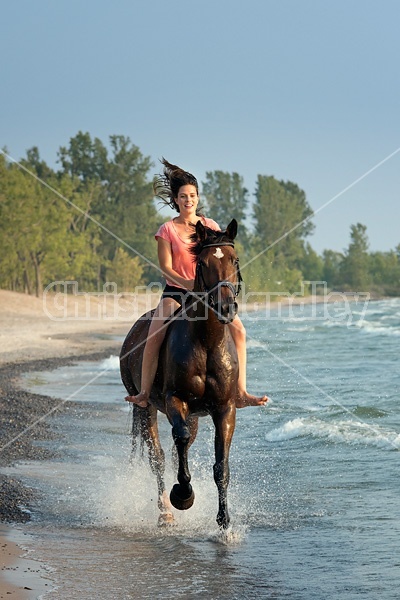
(197, 371)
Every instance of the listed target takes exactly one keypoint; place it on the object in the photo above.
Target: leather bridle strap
(218, 245)
(234, 289)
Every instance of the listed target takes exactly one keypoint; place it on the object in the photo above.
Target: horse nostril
(227, 311)
(233, 308)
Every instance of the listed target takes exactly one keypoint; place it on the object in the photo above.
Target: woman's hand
(165, 261)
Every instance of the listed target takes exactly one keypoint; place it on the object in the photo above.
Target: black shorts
(176, 293)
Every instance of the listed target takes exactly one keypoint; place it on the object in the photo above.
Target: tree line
(93, 220)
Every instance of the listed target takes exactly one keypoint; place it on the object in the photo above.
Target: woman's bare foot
(141, 399)
(244, 399)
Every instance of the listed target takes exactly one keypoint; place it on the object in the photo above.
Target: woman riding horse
(179, 190)
(197, 372)
(202, 366)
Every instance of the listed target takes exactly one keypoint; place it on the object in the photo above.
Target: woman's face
(187, 199)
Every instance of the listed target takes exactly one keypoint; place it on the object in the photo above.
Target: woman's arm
(165, 262)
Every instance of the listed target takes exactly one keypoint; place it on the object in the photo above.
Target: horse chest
(197, 371)
(221, 369)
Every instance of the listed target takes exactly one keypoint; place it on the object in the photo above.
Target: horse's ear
(200, 231)
(231, 230)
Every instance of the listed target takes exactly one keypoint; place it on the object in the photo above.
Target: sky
(304, 90)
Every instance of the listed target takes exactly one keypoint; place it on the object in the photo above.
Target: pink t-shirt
(182, 260)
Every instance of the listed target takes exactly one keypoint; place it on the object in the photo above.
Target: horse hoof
(179, 500)
(166, 519)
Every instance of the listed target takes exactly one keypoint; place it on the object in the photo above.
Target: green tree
(43, 238)
(384, 269)
(84, 158)
(354, 269)
(35, 164)
(84, 260)
(312, 265)
(33, 228)
(331, 267)
(227, 199)
(123, 202)
(130, 209)
(282, 222)
(125, 271)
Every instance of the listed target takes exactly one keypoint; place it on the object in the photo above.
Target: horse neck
(204, 323)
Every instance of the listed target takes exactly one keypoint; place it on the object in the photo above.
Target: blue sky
(305, 90)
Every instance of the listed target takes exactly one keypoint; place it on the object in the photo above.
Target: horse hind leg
(157, 464)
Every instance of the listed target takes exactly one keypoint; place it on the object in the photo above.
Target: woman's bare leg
(238, 333)
(155, 338)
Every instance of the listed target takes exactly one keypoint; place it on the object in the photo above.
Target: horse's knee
(181, 433)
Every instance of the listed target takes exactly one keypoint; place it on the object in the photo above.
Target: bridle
(234, 288)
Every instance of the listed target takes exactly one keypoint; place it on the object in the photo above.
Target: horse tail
(139, 424)
(138, 421)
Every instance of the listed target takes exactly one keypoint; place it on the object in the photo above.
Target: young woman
(179, 189)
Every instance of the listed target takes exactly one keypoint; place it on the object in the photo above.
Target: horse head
(217, 269)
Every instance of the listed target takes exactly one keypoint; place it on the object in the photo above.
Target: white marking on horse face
(218, 253)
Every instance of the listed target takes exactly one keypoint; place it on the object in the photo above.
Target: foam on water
(301, 329)
(110, 364)
(349, 432)
(255, 344)
(377, 328)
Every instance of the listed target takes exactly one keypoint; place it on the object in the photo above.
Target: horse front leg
(182, 495)
(224, 422)
(157, 464)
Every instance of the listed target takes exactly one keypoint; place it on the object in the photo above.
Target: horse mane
(211, 237)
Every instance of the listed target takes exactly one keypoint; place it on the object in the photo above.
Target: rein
(231, 244)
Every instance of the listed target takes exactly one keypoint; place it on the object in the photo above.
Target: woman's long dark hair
(166, 186)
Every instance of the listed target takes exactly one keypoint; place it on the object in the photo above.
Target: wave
(301, 329)
(251, 343)
(109, 364)
(377, 328)
(351, 432)
(364, 326)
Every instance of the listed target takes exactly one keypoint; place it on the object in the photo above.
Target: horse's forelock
(211, 237)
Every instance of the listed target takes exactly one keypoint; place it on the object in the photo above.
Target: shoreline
(21, 577)
(30, 340)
